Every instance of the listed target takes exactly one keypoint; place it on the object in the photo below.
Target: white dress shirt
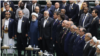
(6, 23)
(57, 9)
(19, 25)
(45, 22)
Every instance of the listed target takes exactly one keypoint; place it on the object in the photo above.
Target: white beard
(91, 44)
(33, 19)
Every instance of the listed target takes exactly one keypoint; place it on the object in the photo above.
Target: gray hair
(21, 10)
(71, 23)
(47, 11)
(74, 27)
(97, 2)
(49, 2)
(89, 35)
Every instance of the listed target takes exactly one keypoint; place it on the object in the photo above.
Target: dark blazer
(73, 13)
(11, 29)
(24, 26)
(98, 8)
(87, 20)
(86, 50)
(61, 5)
(66, 41)
(50, 10)
(3, 15)
(71, 43)
(92, 51)
(66, 17)
(40, 16)
(58, 10)
(79, 47)
(30, 7)
(47, 31)
(94, 26)
(54, 30)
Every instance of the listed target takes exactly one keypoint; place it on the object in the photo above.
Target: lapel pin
(22, 21)
(72, 8)
(47, 21)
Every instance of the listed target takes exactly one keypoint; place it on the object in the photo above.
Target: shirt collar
(81, 36)
(95, 17)
(56, 19)
(72, 4)
(21, 18)
(47, 18)
(34, 4)
(7, 19)
(57, 9)
(87, 41)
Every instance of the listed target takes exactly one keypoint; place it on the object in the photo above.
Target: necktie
(54, 22)
(83, 20)
(63, 35)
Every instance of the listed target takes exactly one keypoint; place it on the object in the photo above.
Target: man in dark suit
(97, 7)
(63, 11)
(7, 9)
(57, 7)
(21, 32)
(50, 8)
(80, 43)
(85, 19)
(92, 51)
(63, 4)
(32, 6)
(94, 23)
(71, 40)
(72, 11)
(46, 32)
(87, 46)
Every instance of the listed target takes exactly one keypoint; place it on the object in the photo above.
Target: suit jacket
(98, 8)
(87, 21)
(11, 29)
(73, 13)
(61, 5)
(86, 50)
(30, 7)
(66, 17)
(3, 15)
(79, 47)
(94, 26)
(46, 32)
(50, 10)
(54, 30)
(66, 41)
(58, 10)
(24, 26)
(71, 43)
(92, 51)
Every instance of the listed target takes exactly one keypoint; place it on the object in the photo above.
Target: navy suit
(79, 47)
(71, 43)
(98, 8)
(50, 10)
(73, 13)
(66, 42)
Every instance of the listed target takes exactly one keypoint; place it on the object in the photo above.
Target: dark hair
(86, 3)
(62, 16)
(96, 11)
(57, 13)
(9, 12)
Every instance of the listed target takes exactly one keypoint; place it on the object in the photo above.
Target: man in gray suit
(85, 19)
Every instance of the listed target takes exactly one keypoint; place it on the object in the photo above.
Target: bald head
(73, 28)
(88, 36)
(57, 5)
(37, 9)
(64, 23)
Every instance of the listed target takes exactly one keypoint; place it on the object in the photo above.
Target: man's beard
(19, 16)
(46, 17)
(91, 44)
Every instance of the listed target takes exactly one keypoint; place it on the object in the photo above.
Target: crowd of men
(69, 29)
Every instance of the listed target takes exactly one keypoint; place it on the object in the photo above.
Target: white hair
(21, 10)
(97, 2)
(49, 2)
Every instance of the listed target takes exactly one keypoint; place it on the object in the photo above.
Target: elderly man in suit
(57, 7)
(92, 51)
(50, 8)
(71, 40)
(85, 19)
(22, 28)
(8, 31)
(87, 46)
(94, 23)
(46, 32)
(72, 11)
(63, 11)
(97, 6)
(80, 43)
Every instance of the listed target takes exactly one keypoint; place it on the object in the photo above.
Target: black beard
(22, 7)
